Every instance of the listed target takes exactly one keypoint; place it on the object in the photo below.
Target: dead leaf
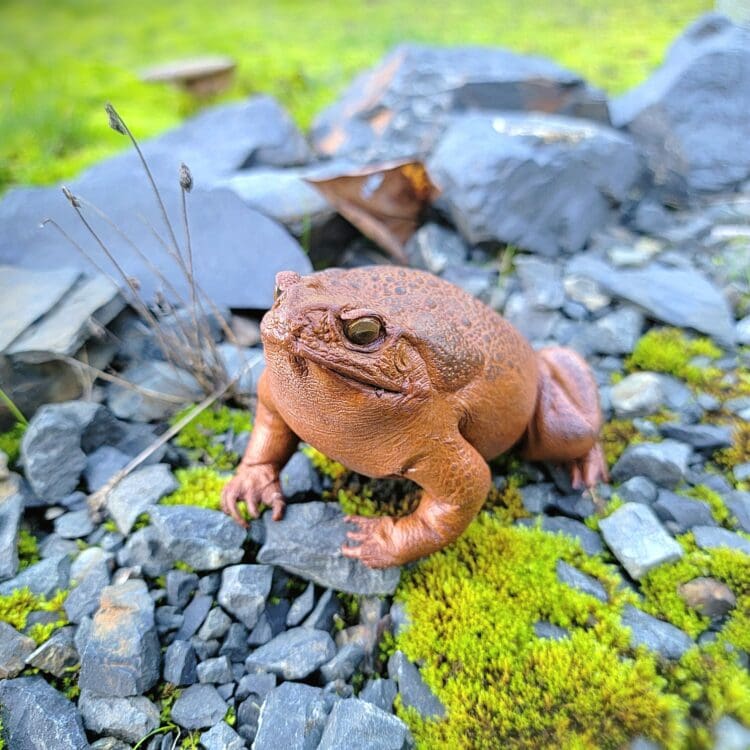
(384, 201)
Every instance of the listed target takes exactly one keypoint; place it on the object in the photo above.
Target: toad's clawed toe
(588, 471)
(375, 544)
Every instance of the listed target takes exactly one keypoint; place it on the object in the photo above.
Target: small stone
(128, 719)
(637, 395)
(145, 550)
(590, 541)
(215, 671)
(700, 436)
(738, 504)
(137, 493)
(292, 716)
(222, 737)
(656, 635)
(478, 282)
(259, 685)
(244, 590)
(198, 707)
(638, 490)
(180, 587)
(344, 664)
(301, 606)
(195, 613)
(586, 292)
(679, 514)
(299, 479)
(210, 583)
(180, 664)
(414, 692)
(57, 655)
(711, 537)
(11, 512)
(15, 648)
(44, 578)
(294, 654)
(433, 247)
(638, 540)
(741, 472)
(36, 716)
(729, 734)
(328, 606)
(708, 596)
(544, 629)
(617, 332)
(541, 282)
(380, 692)
(168, 618)
(83, 599)
(576, 579)
(664, 463)
(235, 644)
(204, 539)
(373, 728)
(102, 465)
(215, 625)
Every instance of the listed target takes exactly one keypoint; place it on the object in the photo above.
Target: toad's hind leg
(567, 419)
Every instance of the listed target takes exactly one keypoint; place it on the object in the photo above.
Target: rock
(167, 618)
(244, 591)
(215, 625)
(656, 635)
(204, 539)
(180, 587)
(294, 654)
(638, 490)
(637, 395)
(434, 248)
(414, 692)
(708, 596)
(195, 613)
(681, 297)
(664, 463)
(711, 537)
(83, 599)
(591, 167)
(198, 707)
(742, 331)
(57, 655)
(44, 578)
(699, 436)
(11, 512)
(102, 465)
(689, 116)
(137, 493)
(307, 543)
(374, 729)
(245, 364)
(325, 610)
(586, 292)
(180, 664)
(738, 504)
(541, 282)
(36, 716)
(729, 734)
(617, 332)
(479, 282)
(576, 579)
(144, 549)
(301, 606)
(344, 664)
(292, 716)
(222, 737)
(299, 479)
(74, 525)
(679, 514)
(128, 719)
(121, 656)
(258, 685)
(380, 692)
(544, 629)
(15, 648)
(400, 107)
(217, 670)
(536, 325)
(590, 541)
(537, 498)
(638, 540)
(235, 644)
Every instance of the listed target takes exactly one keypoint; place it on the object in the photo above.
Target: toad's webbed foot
(255, 485)
(375, 537)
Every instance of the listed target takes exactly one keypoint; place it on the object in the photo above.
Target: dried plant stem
(14, 410)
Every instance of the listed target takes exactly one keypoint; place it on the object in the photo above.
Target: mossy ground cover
(60, 61)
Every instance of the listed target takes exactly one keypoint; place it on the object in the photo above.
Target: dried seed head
(115, 121)
(72, 198)
(186, 178)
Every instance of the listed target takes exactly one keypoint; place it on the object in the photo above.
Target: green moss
(110, 526)
(10, 442)
(183, 566)
(738, 453)
(616, 436)
(350, 605)
(614, 503)
(231, 716)
(670, 350)
(326, 466)
(507, 503)
(199, 436)
(719, 511)
(16, 607)
(199, 486)
(28, 549)
(2, 735)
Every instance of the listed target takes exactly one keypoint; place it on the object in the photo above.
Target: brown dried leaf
(384, 201)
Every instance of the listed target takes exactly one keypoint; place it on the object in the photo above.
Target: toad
(395, 372)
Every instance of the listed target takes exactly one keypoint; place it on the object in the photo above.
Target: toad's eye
(363, 331)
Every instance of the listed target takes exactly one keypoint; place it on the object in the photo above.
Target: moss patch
(28, 549)
(16, 607)
(199, 486)
(10, 442)
(616, 436)
(738, 453)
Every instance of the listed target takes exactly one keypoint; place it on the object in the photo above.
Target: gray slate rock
(689, 116)
(145, 549)
(294, 654)
(591, 542)
(401, 106)
(638, 490)
(121, 656)
(656, 635)
(414, 692)
(292, 716)
(128, 719)
(198, 707)
(74, 525)
(679, 514)
(102, 465)
(590, 166)
(204, 539)
(137, 493)
(434, 247)
(638, 540)
(729, 734)
(259, 685)
(700, 436)
(550, 631)
(195, 613)
(301, 606)
(344, 664)
(577, 579)
(380, 692)
(617, 332)
(711, 537)
(541, 282)
(738, 504)
(637, 395)
(681, 297)
(11, 512)
(244, 591)
(235, 644)
(373, 728)
(83, 599)
(180, 663)
(180, 587)
(222, 737)
(215, 625)
(298, 478)
(324, 611)
(44, 578)
(57, 655)
(217, 671)
(664, 463)
(35, 715)
(307, 543)
(15, 648)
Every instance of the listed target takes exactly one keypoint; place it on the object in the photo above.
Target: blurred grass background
(60, 60)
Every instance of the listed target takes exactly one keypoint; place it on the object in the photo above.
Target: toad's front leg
(567, 419)
(455, 479)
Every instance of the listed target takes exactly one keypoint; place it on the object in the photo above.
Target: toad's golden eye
(363, 331)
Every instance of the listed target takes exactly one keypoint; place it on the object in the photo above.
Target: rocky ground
(618, 619)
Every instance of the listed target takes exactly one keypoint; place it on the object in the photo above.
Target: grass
(61, 60)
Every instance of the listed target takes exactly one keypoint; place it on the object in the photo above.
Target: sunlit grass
(61, 60)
